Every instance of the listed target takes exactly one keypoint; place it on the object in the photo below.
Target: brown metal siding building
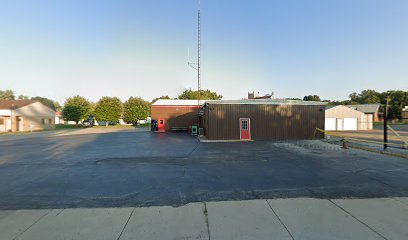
(268, 119)
(176, 114)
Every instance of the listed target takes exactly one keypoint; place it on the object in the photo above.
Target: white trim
(5, 112)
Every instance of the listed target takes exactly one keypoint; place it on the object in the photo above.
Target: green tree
(134, 109)
(202, 94)
(22, 97)
(366, 97)
(47, 102)
(311, 98)
(7, 95)
(72, 113)
(76, 109)
(108, 109)
(162, 97)
(397, 100)
(292, 98)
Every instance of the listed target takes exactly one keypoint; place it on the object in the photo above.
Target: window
(42, 121)
(50, 121)
(1, 121)
(244, 124)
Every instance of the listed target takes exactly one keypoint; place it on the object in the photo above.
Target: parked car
(90, 122)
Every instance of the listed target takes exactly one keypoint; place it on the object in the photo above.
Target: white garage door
(350, 124)
(330, 124)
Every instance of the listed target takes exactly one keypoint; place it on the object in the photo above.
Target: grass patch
(114, 126)
(67, 126)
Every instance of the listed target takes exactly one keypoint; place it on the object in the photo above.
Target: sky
(123, 48)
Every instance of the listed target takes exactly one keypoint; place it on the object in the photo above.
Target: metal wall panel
(275, 122)
(176, 117)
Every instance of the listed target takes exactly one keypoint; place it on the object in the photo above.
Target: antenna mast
(197, 65)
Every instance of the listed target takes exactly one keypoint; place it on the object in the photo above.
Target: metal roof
(267, 101)
(178, 102)
(7, 104)
(366, 108)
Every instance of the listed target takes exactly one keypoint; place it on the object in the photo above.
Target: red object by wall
(161, 125)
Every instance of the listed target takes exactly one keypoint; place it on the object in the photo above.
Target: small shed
(344, 118)
(262, 119)
(175, 114)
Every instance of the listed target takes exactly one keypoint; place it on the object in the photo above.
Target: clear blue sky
(59, 48)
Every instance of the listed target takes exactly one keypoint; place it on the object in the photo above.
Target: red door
(245, 129)
(161, 125)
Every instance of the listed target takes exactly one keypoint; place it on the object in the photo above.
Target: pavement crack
(36, 221)
(365, 224)
(207, 223)
(198, 144)
(60, 212)
(127, 221)
(280, 220)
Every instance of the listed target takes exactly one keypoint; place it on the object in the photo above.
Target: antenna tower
(197, 65)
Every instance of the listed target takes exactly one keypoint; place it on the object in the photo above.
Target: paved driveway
(138, 168)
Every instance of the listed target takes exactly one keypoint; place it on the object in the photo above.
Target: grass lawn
(67, 126)
(114, 126)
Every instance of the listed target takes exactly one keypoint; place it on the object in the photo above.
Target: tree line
(397, 100)
(107, 109)
(110, 109)
(10, 95)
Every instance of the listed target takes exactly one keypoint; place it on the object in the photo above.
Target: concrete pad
(316, 219)
(94, 223)
(15, 222)
(186, 222)
(386, 216)
(244, 220)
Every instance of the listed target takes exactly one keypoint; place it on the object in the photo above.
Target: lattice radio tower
(197, 65)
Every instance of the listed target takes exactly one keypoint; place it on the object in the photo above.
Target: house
(175, 114)
(25, 115)
(404, 114)
(262, 119)
(58, 118)
(341, 118)
(371, 110)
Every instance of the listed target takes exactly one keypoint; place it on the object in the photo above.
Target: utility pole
(385, 125)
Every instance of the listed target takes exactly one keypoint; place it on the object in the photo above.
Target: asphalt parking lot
(136, 168)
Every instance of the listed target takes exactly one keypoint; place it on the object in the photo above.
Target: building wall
(176, 116)
(364, 121)
(34, 117)
(267, 121)
(404, 116)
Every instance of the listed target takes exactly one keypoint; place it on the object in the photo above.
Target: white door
(330, 124)
(339, 124)
(20, 124)
(350, 124)
(8, 124)
(370, 121)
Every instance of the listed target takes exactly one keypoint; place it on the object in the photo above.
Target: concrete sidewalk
(299, 218)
